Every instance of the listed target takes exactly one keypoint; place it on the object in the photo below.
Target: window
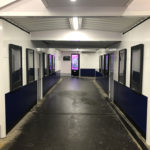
(106, 65)
(50, 63)
(102, 64)
(53, 63)
(122, 66)
(45, 65)
(30, 65)
(136, 68)
(15, 65)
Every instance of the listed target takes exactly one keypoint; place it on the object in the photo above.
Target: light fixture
(73, 0)
(75, 22)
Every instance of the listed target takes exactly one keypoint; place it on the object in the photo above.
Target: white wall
(10, 34)
(81, 35)
(139, 35)
(65, 65)
(89, 60)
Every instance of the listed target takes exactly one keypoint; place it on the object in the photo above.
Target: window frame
(125, 61)
(105, 73)
(27, 65)
(19, 48)
(102, 64)
(133, 48)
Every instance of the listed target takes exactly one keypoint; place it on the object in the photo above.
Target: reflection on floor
(74, 117)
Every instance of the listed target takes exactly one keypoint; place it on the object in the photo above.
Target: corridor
(74, 116)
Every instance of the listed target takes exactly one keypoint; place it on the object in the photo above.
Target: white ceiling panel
(32, 24)
(113, 24)
(4, 3)
(86, 3)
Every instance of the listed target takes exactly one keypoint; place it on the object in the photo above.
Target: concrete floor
(74, 117)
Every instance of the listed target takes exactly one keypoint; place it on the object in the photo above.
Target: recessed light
(73, 0)
(75, 23)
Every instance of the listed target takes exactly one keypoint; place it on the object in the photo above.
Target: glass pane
(112, 63)
(122, 61)
(54, 62)
(136, 75)
(106, 62)
(106, 59)
(50, 63)
(15, 67)
(100, 64)
(102, 57)
(30, 59)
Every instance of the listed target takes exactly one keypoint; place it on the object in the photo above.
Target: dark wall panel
(104, 82)
(19, 102)
(87, 72)
(134, 105)
(99, 74)
(49, 81)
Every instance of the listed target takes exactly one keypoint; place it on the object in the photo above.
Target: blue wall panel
(19, 102)
(87, 72)
(104, 83)
(49, 81)
(99, 74)
(134, 105)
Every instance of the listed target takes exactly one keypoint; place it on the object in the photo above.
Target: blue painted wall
(99, 74)
(87, 72)
(134, 105)
(103, 82)
(49, 81)
(19, 102)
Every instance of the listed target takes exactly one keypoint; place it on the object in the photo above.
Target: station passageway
(74, 116)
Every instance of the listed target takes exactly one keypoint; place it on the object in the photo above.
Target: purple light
(75, 64)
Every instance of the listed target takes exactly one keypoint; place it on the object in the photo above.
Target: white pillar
(3, 78)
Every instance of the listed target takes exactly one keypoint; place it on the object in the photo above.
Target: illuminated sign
(75, 62)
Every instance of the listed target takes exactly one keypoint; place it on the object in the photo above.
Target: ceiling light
(75, 21)
(73, 0)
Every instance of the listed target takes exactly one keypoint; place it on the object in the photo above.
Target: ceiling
(113, 24)
(86, 3)
(78, 8)
(91, 50)
(80, 44)
(4, 3)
